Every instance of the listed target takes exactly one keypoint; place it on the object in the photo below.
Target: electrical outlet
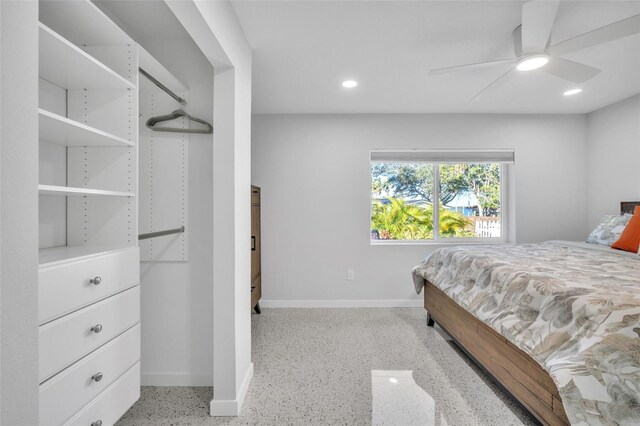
(350, 275)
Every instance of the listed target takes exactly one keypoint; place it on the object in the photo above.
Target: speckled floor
(314, 367)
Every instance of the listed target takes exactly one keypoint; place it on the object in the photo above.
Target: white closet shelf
(67, 66)
(80, 192)
(82, 23)
(64, 253)
(60, 130)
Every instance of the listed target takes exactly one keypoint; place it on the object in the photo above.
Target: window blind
(505, 156)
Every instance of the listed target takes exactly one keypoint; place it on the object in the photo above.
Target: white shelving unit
(60, 130)
(69, 67)
(89, 256)
(90, 26)
(67, 191)
(88, 128)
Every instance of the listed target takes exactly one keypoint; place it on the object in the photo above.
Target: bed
(557, 324)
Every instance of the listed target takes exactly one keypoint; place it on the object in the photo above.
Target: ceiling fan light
(534, 62)
(572, 92)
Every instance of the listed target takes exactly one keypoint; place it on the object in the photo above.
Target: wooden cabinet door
(255, 241)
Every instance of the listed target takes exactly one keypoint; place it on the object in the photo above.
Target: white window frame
(503, 157)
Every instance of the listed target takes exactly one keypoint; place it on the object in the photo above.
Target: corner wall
(314, 171)
(18, 213)
(613, 158)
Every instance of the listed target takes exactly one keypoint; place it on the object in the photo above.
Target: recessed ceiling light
(349, 84)
(572, 92)
(532, 62)
(393, 380)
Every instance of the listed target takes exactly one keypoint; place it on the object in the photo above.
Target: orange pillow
(630, 238)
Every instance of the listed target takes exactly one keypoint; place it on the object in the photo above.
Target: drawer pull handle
(97, 423)
(97, 328)
(95, 281)
(97, 377)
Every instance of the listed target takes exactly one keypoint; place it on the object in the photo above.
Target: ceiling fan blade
(495, 84)
(470, 67)
(570, 70)
(538, 18)
(610, 32)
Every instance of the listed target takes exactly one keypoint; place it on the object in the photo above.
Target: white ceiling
(144, 19)
(303, 50)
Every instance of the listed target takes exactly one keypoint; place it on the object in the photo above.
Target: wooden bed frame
(516, 371)
(509, 366)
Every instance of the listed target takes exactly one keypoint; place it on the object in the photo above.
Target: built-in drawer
(111, 404)
(67, 339)
(66, 286)
(255, 195)
(67, 392)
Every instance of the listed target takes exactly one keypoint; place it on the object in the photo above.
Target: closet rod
(162, 86)
(161, 233)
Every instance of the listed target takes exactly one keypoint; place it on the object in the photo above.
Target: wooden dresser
(256, 285)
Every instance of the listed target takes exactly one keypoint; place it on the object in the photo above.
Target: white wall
(613, 158)
(18, 213)
(314, 171)
(177, 344)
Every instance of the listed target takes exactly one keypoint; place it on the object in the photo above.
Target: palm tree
(401, 221)
(452, 224)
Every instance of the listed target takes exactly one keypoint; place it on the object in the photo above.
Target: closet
(89, 271)
(116, 132)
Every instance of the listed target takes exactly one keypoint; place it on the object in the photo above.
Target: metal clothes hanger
(177, 114)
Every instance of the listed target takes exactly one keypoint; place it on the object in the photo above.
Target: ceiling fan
(532, 49)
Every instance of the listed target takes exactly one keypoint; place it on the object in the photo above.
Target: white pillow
(609, 229)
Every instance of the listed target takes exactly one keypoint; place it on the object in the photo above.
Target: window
(468, 187)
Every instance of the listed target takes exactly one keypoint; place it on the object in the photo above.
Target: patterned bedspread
(575, 310)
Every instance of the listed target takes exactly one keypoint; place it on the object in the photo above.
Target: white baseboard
(231, 408)
(175, 379)
(342, 303)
